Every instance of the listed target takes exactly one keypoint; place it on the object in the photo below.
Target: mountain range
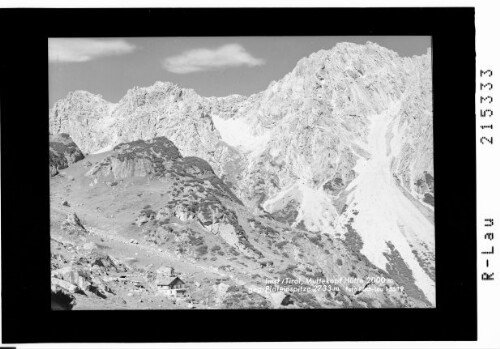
(326, 174)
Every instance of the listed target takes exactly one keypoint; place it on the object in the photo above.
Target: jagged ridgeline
(238, 191)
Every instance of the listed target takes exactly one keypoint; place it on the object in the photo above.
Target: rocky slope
(194, 222)
(294, 153)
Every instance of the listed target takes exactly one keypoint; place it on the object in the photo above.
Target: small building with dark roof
(171, 286)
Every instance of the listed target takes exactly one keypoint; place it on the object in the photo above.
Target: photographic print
(241, 172)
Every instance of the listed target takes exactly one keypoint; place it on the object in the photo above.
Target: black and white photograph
(241, 172)
(266, 176)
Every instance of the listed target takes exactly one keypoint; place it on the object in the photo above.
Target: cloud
(230, 55)
(83, 50)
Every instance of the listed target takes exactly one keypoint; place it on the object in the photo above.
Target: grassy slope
(109, 212)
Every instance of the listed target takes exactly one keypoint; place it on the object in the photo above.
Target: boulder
(141, 220)
(280, 299)
(65, 285)
(108, 263)
(73, 276)
(73, 225)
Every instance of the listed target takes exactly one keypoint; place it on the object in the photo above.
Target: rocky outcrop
(75, 278)
(137, 159)
(62, 152)
(102, 261)
(159, 158)
(73, 226)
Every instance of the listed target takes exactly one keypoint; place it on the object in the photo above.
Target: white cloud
(83, 50)
(230, 55)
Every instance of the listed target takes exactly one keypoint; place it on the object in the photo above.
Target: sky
(212, 66)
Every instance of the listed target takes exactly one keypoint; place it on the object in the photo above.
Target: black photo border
(26, 314)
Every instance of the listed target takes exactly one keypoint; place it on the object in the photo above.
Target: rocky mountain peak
(156, 94)
(88, 104)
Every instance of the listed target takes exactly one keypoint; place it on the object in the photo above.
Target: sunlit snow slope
(383, 214)
(240, 134)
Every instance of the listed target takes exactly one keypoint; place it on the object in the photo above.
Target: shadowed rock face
(62, 152)
(61, 300)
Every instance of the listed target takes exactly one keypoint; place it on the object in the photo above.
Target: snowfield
(385, 214)
(240, 134)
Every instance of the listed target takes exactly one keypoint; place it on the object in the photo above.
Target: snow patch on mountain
(240, 134)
